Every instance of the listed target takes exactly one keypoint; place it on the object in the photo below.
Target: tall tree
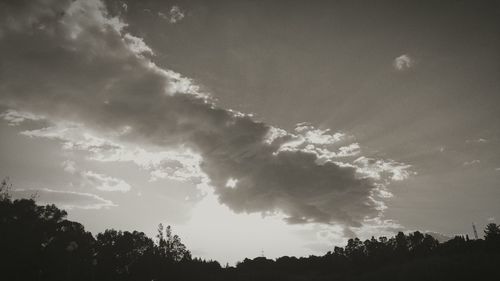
(492, 232)
(170, 245)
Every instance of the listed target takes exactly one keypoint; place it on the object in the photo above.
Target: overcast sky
(278, 126)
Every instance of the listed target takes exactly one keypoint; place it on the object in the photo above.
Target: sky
(255, 127)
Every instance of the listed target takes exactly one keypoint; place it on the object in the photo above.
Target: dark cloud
(72, 62)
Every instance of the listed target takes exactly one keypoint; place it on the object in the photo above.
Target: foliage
(492, 232)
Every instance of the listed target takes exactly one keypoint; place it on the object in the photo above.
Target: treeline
(39, 243)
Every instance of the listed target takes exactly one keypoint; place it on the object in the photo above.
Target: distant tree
(401, 245)
(121, 254)
(415, 240)
(355, 250)
(492, 232)
(5, 187)
(420, 244)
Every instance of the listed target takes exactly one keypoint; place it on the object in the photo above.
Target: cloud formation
(87, 72)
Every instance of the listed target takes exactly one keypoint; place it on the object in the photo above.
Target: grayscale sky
(278, 126)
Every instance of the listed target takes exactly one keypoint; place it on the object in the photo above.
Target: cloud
(15, 118)
(175, 14)
(308, 139)
(178, 164)
(96, 180)
(403, 62)
(76, 137)
(104, 96)
(105, 183)
(387, 170)
(472, 162)
(65, 199)
(137, 45)
(69, 166)
(478, 141)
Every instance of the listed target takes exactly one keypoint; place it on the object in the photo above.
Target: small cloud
(231, 183)
(69, 166)
(473, 162)
(175, 14)
(442, 149)
(403, 62)
(497, 169)
(491, 219)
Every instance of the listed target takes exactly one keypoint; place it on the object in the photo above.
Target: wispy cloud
(64, 198)
(96, 180)
(105, 183)
(15, 118)
(472, 162)
(479, 141)
(177, 164)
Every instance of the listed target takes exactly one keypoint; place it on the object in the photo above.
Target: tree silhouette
(39, 243)
(5, 187)
(492, 232)
(170, 246)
